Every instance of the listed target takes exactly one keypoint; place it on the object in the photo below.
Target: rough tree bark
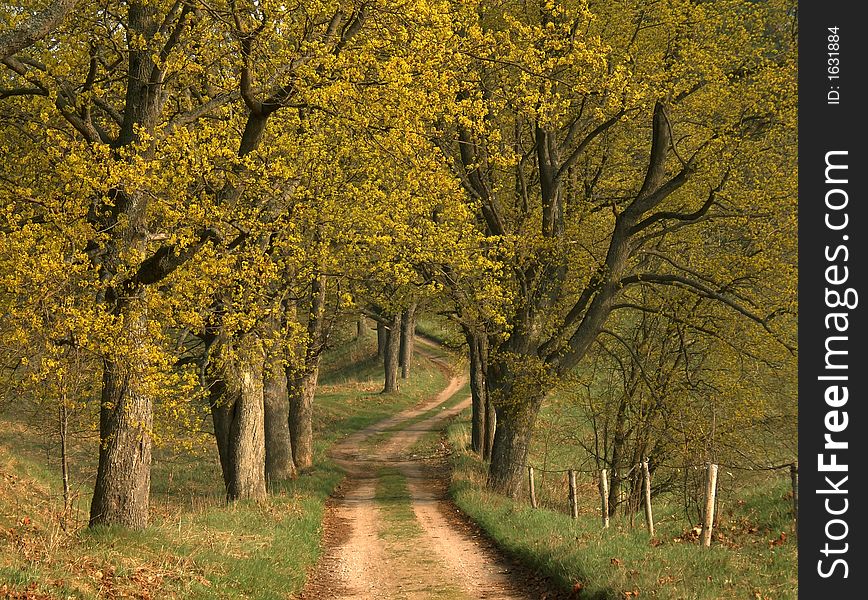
(31, 30)
(301, 395)
(279, 463)
(478, 413)
(391, 356)
(123, 480)
(303, 383)
(490, 426)
(517, 407)
(619, 440)
(221, 416)
(237, 402)
(510, 448)
(408, 339)
(247, 428)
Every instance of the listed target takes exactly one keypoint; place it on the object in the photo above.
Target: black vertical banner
(833, 227)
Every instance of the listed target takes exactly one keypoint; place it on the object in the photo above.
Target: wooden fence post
(649, 516)
(794, 478)
(574, 504)
(604, 497)
(531, 486)
(710, 493)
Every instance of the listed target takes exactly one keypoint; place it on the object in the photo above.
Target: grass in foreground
(750, 559)
(399, 528)
(197, 546)
(398, 521)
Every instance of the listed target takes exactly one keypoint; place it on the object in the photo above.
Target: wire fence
(640, 491)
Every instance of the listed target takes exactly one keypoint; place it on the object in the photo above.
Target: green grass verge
(750, 559)
(196, 546)
(440, 329)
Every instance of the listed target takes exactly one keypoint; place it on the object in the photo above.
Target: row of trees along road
(195, 193)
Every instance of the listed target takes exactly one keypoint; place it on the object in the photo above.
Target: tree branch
(696, 286)
(35, 28)
(352, 28)
(173, 40)
(167, 259)
(661, 139)
(677, 216)
(469, 160)
(31, 91)
(574, 155)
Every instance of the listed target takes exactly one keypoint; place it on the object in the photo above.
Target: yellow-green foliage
(277, 143)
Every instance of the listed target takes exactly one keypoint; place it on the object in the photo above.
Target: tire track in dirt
(443, 561)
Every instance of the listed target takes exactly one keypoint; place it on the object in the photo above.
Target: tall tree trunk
(122, 489)
(490, 418)
(517, 407)
(279, 463)
(247, 428)
(619, 441)
(221, 415)
(123, 478)
(478, 433)
(301, 395)
(408, 332)
(64, 456)
(237, 402)
(303, 383)
(382, 340)
(391, 358)
(490, 426)
(510, 448)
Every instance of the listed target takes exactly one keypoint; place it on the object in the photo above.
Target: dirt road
(391, 535)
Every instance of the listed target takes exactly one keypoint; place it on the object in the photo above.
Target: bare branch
(661, 140)
(469, 160)
(352, 28)
(574, 155)
(108, 109)
(690, 217)
(173, 40)
(206, 107)
(30, 91)
(698, 287)
(167, 259)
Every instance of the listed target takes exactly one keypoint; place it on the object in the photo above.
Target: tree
(408, 339)
(206, 188)
(117, 143)
(482, 417)
(592, 139)
(129, 110)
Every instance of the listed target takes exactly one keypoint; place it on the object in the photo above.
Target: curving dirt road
(407, 545)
